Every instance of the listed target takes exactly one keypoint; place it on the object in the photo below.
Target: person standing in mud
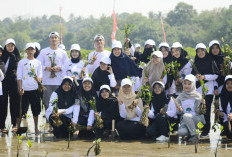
(207, 72)
(10, 57)
(225, 109)
(95, 56)
(27, 83)
(52, 59)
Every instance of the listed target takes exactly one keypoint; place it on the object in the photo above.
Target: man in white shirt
(95, 56)
(29, 73)
(52, 59)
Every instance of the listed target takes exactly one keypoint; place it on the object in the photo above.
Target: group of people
(76, 92)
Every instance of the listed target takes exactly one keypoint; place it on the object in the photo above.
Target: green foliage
(173, 66)
(181, 24)
(97, 148)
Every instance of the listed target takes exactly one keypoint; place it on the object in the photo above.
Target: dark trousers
(10, 89)
(130, 129)
(226, 130)
(33, 98)
(63, 130)
(208, 100)
(158, 127)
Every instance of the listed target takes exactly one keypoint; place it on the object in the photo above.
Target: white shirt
(171, 111)
(123, 113)
(66, 112)
(228, 110)
(25, 74)
(1, 78)
(210, 84)
(60, 60)
(91, 67)
(73, 69)
(189, 106)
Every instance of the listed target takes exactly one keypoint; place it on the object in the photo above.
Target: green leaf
(200, 125)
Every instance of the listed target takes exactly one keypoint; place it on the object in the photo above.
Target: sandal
(4, 131)
(14, 129)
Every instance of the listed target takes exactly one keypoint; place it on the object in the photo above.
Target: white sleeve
(50, 108)
(91, 118)
(138, 111)
(171, 111)
(41, 59)
(86, 72)
(187, 69)
(211, 77)
(122, 110)
(20, 71)
(90, 67)
(39, 70)
(76, 111)
(151, 113)
(1, 75)
(113, 82)
(65, 59)
(165, 79)
(132, 50)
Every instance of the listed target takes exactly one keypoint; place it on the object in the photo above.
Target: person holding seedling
(149, 47)
(29, 73)
(63, 108)
(162, 113)
(189, 107)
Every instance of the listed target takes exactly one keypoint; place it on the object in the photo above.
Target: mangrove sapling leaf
(41, 87)
(20, 138)
(70, 131)
(29, 145)
(45, 153)
(128, 29)
(221, 130)
(57, 122)
(225, 67)
(97, 148)
(170, 130)
(52, 58)
(198, 131)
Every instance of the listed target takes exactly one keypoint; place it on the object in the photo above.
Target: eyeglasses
(98, 40)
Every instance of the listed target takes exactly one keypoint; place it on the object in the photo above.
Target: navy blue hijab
(124, 66)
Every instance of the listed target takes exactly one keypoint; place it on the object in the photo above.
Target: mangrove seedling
(29, 145)
(20, 141)
(170, 130)
(97, 148)
(198, 131)
(221, 130)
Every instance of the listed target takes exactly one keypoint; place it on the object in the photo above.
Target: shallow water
(78, 147)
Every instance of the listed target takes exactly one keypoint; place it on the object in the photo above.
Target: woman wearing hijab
(149, 47)
(37, 48)
(86, 112)
(137, 53)
(107, 106)
(129, 128)
(10, 57)
(190, 101)
(226, 106)
(167, 58)
(67, 107)
(75, 65)
(122, 65)
(162, 112)
(104, 74)
(207, 71)
(185, 68)
(154, 69)
(216, 53)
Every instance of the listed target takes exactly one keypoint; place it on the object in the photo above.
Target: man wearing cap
(52, 59)
(95, 56)
(27, 83)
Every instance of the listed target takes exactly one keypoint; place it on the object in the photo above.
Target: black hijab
(108, 107)
(182, 59)
(100, 78)
(37, 52)
(219, 60)
(159, 100)
(147, 53)
(75, 60)
(169, 58)
(124, 66)
(66, 99)
(14, 59)
(204, 66)
(226, 97)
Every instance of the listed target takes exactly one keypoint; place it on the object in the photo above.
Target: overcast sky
(85, 8)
